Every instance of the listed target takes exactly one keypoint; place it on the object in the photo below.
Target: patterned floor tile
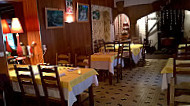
(140, 86)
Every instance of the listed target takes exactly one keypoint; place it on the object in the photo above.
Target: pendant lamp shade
(16, 26)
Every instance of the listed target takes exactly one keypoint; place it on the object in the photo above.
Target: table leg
(79, 100)
(110, 78)
(91, 96)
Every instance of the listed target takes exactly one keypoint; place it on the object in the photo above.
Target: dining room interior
(94, 52)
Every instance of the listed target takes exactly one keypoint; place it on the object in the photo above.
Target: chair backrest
(101, 43)
(110, 46)
(181, 67)
(127, 47)
(82, 60)
(136, 40)
(120, 55)
(50, 79)
(96, 46)
(116, 45)
(26, 79)
(62, 59)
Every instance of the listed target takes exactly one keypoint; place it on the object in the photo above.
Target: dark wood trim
(91, 96)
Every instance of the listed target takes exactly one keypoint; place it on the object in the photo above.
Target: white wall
(187, 24)
(153, 33)
(134, 2)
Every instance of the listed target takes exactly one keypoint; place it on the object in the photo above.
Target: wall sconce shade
(69, 18)
(5, 26)
(16, 26)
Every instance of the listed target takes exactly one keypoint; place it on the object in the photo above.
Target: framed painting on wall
(54, 18)
(82, 12)
(96, 15)
(69, 6)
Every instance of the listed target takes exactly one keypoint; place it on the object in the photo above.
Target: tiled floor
(140, 86)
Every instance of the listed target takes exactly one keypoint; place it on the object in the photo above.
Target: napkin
(62, 74)
(72, 69)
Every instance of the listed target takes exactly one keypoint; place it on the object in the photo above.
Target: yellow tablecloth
(69, 80)
(169, 66)
(135, 48)
(104, 56)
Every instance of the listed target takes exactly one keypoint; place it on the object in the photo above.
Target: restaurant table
(136, 50)
(73, 83)
(105, 61)
(167, 73)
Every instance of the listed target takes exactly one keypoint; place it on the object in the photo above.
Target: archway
(121, 27)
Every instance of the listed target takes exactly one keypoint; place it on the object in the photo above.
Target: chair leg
(168, 95)
(130, 63)
(172, 92)
(118, 75)
(121, 75)
(110, 78)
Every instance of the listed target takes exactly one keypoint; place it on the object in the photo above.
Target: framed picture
(82, 12)
(69, 6)
(54, 18)
(96, 15)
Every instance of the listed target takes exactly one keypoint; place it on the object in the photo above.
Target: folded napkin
(72, 69)
(62, 74)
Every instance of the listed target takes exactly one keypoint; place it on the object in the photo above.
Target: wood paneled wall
(107, 3)
(74, 37)
(26, 11)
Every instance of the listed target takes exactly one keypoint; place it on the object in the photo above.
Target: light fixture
(6, 30)
(69, 18)
(17, 28)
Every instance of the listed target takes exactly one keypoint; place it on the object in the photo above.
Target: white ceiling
(134, 2)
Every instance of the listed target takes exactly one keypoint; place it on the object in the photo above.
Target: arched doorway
(121, 27)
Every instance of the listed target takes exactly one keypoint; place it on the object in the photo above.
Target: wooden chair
(96, 46)
(119, 63)
(28, 79)
(136, 40)
(110, 46)
(82, 60)
(177, 96)
(116, 45)
(101, 43)
(127, 52)
(63, 59)
(184, 50)
(55, 83)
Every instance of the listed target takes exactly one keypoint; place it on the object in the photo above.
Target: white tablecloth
(167, 76)
(105, 65)
(70, 96)
(137, 57)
